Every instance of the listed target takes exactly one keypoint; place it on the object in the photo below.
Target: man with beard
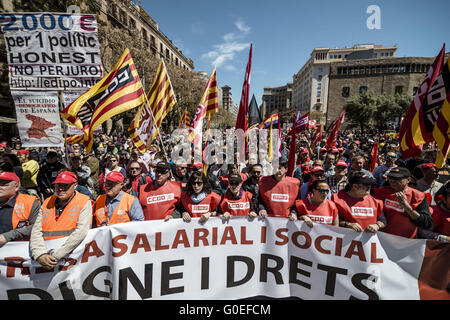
(47, 174)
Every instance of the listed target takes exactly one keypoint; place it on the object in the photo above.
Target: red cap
(23, 151)
(341, 163)
(317, 168)
(340, 149)
(197, 165)
(114, 176)
(323, 149)
(66, 177)
(428, 165)
(2, 145)
(334, 150)
(9, 176)
(304, 150)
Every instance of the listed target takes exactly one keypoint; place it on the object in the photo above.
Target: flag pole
(61, 107)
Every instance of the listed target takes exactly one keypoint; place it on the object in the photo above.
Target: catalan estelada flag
(119, 91)
(417, 125)
(160, 100)
(441, 131)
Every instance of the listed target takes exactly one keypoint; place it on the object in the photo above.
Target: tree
(361, 109)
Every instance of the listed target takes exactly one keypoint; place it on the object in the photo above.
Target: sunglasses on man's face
(323, 191)
(161, 171)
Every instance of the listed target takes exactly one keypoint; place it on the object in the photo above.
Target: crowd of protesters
(115, 183)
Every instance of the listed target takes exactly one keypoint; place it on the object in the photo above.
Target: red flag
(317, 137)
(374, 156)
(291, 161)
(303, 123)
(242, 119)
(331, 141)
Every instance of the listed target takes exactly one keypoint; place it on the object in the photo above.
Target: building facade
(276, 99)
(227, 100)
(387, 76)
(311, 82)
(126, 14)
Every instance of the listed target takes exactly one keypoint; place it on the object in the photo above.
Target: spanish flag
(119, 91)
(417, 125)
(160, 100)
(271, 120)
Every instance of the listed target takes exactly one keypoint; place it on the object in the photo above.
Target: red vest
(240, 207)
(398, 221)
(441, 219)
(209, 204)
(159, 202)
(364, 212)
(278, 197)
(326, 213)
(120, 214)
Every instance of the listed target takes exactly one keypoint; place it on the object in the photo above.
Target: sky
(284, 33)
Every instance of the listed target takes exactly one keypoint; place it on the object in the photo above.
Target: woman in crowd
(236, 201)
(316, 207)
(198, 200)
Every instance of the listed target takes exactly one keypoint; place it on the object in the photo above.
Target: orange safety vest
(68, 219)
(22, 210)
(120, 214)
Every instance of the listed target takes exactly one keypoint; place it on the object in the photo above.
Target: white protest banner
(38, 118)
(51, 51)
(232, 259)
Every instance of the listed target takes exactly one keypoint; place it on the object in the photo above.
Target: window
(132, 24)
(381, 54)
(161, 48)
(391, 54)
(362, 89)
(320, 70)
(320, 77)
(398, 89)
(415, 90)
(319, 86)
(374, 55)
(346, 92)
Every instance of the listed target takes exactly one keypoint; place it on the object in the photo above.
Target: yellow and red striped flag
(209, 101)
(160, 100)
(119, 91)
(184, 120)
(441, 131)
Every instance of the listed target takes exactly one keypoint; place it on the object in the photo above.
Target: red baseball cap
(197, 165)
(9, 176)
(23, 151)
(428, 165)
(2, 145)
(317, 168)
(115, 176)
(334, 150)
(304, 150)
(341, 163)
(66, 177)
(323, 149)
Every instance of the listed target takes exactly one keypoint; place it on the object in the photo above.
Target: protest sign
(232, 259)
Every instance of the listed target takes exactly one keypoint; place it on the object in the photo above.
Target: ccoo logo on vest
(160, 198)
(280, 197)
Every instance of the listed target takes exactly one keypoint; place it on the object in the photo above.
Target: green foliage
(369, 110)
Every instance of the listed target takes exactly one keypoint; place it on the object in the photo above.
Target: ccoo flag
(160, 100)
(119, 91)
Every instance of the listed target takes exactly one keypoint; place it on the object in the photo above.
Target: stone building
(276, 99)
(310, 84)
(386, 76)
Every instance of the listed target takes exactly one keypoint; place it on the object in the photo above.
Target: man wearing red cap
(66, 214)
(18, 211)
(116, 206)
(429, 183)
(338, 181)
(30, 169)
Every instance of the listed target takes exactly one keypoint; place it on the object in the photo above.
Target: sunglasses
(132, 169)
(390, 157)
(161, 171)
(325, 191)
(197, 183)
(235, 184)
